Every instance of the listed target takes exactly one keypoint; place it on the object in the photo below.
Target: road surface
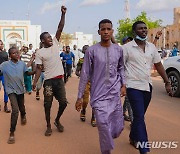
(162, 118)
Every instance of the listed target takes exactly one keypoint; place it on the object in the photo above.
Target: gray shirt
(14, 76)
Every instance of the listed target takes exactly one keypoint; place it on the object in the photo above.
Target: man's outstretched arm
(61, 23)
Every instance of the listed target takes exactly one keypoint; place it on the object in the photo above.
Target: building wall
(34, 36)
(80, 39)
(170, 33)
(19, 32)
(177, 15)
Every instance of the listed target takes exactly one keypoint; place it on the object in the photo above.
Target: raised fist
(63, 9)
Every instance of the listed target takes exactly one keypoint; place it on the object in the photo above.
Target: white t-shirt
(51, 60)
(77, 55)
(31, 51)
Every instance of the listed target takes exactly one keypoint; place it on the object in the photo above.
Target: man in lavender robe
(104, 67)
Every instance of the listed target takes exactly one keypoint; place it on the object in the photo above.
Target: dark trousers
(65, 71)
(69, 70)
(139, 101)
(17, 104)
(54, 87)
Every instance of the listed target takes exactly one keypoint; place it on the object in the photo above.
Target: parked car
(172, 67)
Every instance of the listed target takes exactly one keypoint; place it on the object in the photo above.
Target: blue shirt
(67, 57)
(14, 76)
(174, 52)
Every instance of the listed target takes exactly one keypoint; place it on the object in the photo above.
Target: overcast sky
(83, 15)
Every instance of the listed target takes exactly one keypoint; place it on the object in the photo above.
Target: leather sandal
(6, 110)
(83, 116)
(93, 122)
(11, 140)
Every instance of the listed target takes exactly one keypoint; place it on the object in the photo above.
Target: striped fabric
(26, 57)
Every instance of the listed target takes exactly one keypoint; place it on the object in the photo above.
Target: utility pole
(28, 10)
(12, 13)
(127, 9)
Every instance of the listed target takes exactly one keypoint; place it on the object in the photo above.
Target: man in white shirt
(78, 54)
(31, 50)
(139, 56)
(47, 58)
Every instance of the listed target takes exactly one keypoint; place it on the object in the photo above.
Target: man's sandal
(59, 126)
(37, 97)
(7, 110)
(11, 140)
(48, 132)
(93, 122)
(83, 116)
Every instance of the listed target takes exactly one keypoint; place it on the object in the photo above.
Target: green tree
(125, 25)
(94, 42)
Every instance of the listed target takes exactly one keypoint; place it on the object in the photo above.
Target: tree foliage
(66, 39)
(125, 25)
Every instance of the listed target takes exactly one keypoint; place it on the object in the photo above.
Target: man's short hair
(86, 45)
(42, 35)
(136, 23)
(10, 50)
(126, 38)
(30, 44)
(104, 21)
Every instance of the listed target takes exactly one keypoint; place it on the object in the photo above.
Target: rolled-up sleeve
(157, 57)
(38, 59)
(85, 73)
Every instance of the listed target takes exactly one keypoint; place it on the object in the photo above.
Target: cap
(126, 38)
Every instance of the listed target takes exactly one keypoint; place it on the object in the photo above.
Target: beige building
(19, 32)
(170, 35)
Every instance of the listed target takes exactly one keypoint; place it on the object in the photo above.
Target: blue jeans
(5, 95)
(139, 101)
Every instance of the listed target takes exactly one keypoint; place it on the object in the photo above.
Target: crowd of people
(106, 70)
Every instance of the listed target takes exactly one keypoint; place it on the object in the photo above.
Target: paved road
(162, 119)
